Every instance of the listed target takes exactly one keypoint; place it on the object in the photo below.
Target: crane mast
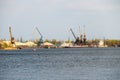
(10, 31)
(84, 38)
(80, 35)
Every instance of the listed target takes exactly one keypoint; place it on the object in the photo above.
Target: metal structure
(12, 41)
(81, 36)
(81, 40)
(73, 33)
(39, 37)
(84, 37)
(77, 39)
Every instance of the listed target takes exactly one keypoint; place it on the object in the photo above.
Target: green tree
(47, 40)
(54, 41)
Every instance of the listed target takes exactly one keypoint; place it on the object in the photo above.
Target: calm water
(61, 64)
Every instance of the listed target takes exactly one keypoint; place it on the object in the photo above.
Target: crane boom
(73, 33)
(39, 32)
(12, 42)
(39, 40)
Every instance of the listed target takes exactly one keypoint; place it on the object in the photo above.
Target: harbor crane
(39, 37)
(12, 41)
(77, 39)
(81, 40)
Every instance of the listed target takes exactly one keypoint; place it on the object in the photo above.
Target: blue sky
(54, 18)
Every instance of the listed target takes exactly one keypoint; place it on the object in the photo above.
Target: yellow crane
(12, 41)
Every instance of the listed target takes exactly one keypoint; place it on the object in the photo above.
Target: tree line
(108, 42)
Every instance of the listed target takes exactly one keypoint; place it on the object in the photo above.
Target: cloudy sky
(54, 18)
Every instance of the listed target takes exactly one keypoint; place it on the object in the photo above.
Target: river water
(60, 64)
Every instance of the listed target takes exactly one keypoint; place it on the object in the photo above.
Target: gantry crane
(39, 37)
(12, 41)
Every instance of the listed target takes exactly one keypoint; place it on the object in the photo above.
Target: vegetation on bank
(108, 42)
(113, 43)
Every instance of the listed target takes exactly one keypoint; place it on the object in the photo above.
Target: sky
(54, 18)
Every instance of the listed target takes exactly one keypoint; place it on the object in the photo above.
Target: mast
(10, 31)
